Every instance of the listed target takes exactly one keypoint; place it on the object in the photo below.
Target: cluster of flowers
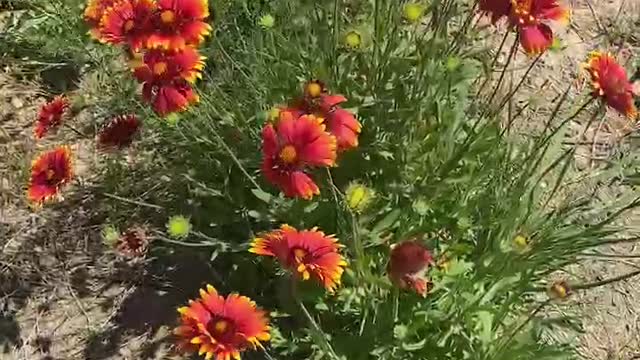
(53, 169)
(308, 133)
(164, 36)
(530, 18)
(221, 327)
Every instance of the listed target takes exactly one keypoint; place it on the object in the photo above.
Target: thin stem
(620, 256)
(512, 52)
(493, 63)
(135, 202)
(78, 132)
(522, 325)
(319, 334)
(336, 34)
(605, 281)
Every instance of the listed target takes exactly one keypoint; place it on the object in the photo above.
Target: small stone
(17, 103)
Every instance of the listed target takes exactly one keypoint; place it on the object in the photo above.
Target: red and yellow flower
(127, 22)
(221, 328)
(179, 23)
(306, 253)
(166, 78)
(408, 263)
(50, 115)
(530, 17)
(93, 13)
(118, 132)
(49, 172)
(293, 146)
(610, 82)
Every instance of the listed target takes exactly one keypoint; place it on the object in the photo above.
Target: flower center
(50, 174)
(314, 89)
(221, 329)
(299, 254)
(168, 16)
(128, 26)
(159, 68)
(522, 11)
(288, 154)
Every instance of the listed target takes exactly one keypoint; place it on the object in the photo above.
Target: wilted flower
(408, 263)
(530, 17)
(306, 253)
(178, 24)
(49, 172)
(610, 82)
(353, 39)
(127, 22)
(118, 132)
(412, 12)
(178, 226)
(267, 21)
(134, 242)
(358, 196)
(293, 146)
(219, 327)
(50, 115)
(559, 290)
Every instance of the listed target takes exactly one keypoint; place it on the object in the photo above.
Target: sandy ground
(62, 296)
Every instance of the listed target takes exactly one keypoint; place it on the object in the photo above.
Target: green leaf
(484, 321)
(262, 195)
(414, 346)
(387, 221)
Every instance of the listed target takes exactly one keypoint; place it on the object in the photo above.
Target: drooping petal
(118, 132)
(345, 127)
(497, 9)
(536, 39)
(610, 82)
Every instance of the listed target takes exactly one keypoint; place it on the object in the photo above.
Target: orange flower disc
(179, 23)
(127, 22)
(530, 17)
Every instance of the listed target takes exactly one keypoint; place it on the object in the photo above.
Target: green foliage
(441, 168)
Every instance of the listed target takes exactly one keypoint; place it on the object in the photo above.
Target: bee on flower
(49, 172)
(306, 253)
(219, 327)
(408, 264)
(610, 83)
(166, 78)
(51, 116)
(118, 132)
(290, 148)
(127, 22)
(179, 23)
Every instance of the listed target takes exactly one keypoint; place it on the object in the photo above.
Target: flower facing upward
(530, 17)
(291, 147)
(610, 82)
(408, 263)
(179, 23)
(353, 39)
(118, 132)
(219, 327)
(134, 242)
(306, 253)
(50, 115)
(49, 171)
(497, 9)
(127, 22)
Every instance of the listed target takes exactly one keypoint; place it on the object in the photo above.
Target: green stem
(315, 328)
(521, 326)
(336, 35)
(605, 281)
